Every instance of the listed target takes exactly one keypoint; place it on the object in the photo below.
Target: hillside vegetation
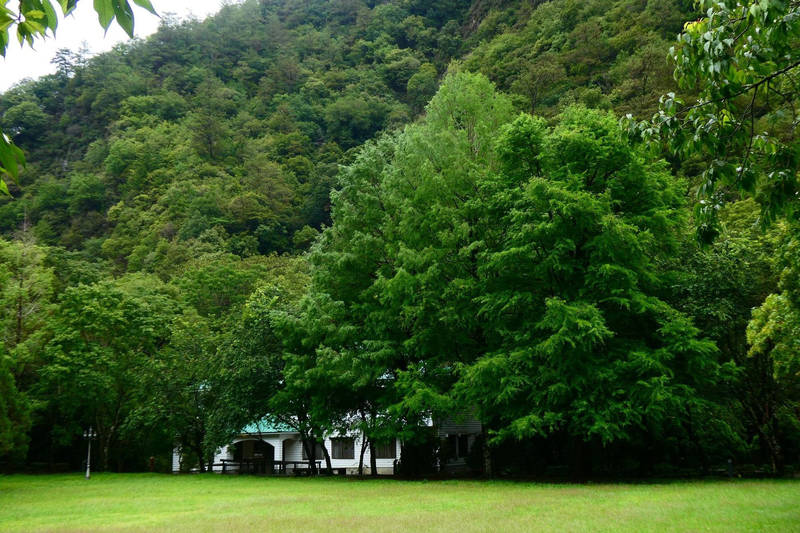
(225, 135)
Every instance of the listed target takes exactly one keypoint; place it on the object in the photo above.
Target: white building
(268, 447)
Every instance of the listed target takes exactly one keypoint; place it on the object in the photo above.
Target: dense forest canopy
(358, 215)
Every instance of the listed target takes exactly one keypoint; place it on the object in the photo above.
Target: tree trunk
(182, 448)
(373, 463)
(487, 454)
(201, 460)
(327, 456)
(105, 448)
(361, 457)
(310, 453)
(197, 446)
(364, 441)
(764, 391)
(775, 451)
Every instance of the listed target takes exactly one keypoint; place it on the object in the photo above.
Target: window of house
(343, 448)
(318, 453)
(386, 451)
(457, 446)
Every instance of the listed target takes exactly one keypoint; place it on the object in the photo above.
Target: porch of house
(283, 454)
(265, 454)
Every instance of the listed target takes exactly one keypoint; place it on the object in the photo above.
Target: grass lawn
(147, 502)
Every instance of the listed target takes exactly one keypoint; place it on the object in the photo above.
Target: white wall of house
(293, 451)
(384, 465)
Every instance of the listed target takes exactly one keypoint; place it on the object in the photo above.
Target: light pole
(89, 435)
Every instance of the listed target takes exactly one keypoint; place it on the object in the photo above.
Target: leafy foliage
(599, 53)
(738, 67)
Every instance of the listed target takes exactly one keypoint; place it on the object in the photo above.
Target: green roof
(265, 425)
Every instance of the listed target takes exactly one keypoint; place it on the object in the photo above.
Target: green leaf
(105, 12)
(147, 5)
(10, 157)
(5, 22)
(34, 27)
(124, 15)
(3, 42)
(21, 33)
(67, 5)
(52, 17)
(35, 14)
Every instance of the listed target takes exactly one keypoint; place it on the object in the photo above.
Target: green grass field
(240, 503)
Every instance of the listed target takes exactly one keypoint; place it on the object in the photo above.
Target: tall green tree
(272, 370)
(26, 295)
(401, 255)
(27, 287)
(719, 285)
(249, 372)
(174, 398)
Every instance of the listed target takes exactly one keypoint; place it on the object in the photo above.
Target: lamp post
(89, 435)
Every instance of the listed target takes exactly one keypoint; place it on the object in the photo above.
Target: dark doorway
(254, 456)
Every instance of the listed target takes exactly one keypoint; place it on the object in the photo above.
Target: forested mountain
(225, 135)
(409, 207)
